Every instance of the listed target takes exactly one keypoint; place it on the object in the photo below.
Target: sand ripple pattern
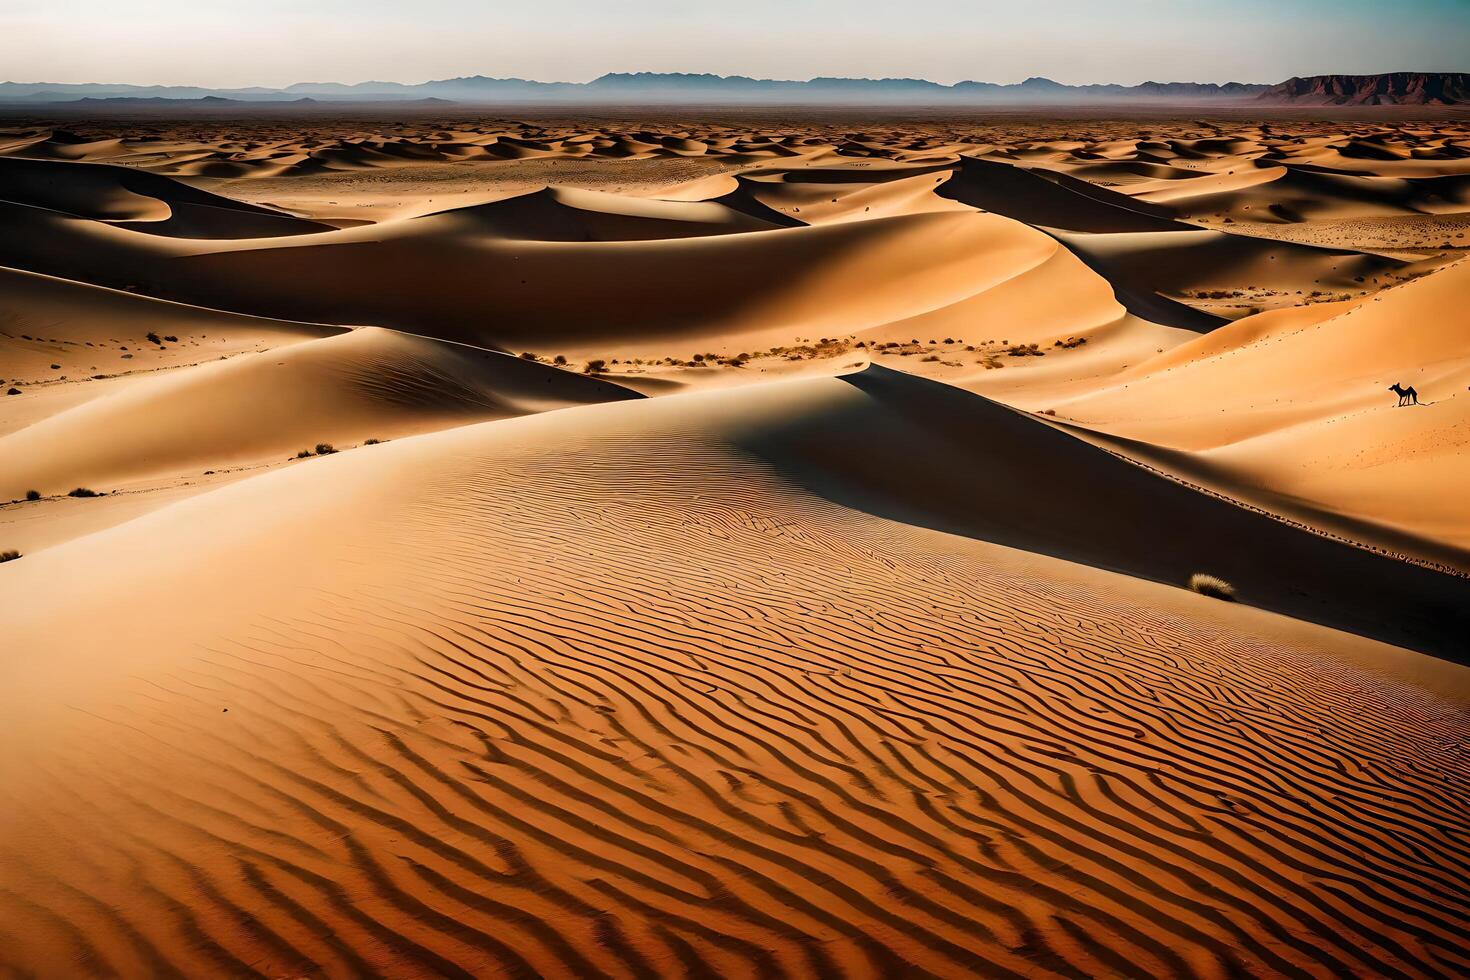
(590, 723)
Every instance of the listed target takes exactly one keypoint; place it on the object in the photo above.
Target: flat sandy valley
(735, 544)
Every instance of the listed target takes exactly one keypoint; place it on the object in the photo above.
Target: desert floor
(732, 544)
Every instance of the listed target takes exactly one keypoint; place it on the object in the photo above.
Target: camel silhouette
(1407, 396)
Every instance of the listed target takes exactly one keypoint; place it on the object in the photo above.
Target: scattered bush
(304, 454)
(152, 338)
(9, 555)
(56, 367)
(372, 442)
(13, 391)
(528, 356)
(171, 339)
(324, 449)
(596, 366)
(560, 360)
(82, 492)
(1215, 588)
(33, 495)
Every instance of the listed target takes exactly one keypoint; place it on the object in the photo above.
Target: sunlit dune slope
(1300, 412)
(610, 692)
(86, 330)
(368, 383)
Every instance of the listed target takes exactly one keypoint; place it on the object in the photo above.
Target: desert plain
(680, 543)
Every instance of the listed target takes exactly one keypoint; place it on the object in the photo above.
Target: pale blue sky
(275, 42)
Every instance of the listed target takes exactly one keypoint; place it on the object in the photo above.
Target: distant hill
(674, 88)
(662, 88)
(1390, 88)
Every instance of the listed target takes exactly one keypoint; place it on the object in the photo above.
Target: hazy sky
(275, 42)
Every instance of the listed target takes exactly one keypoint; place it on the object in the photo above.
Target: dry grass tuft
(1215, 588)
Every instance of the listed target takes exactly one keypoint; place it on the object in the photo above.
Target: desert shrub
(152, 338)
(56, 367)
(560, 360)
(324, 449)
(304, 454)
(596, 366)
(372, 442)
(528, 356)
(171, 339)
(33, 495)
(931, 357)
(82, 492)
(13, 391)
(1215, 588)
(9, 555)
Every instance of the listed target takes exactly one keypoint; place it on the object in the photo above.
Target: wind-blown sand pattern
(802, 620)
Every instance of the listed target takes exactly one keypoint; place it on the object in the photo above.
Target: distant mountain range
(1436, 88)
(1392, 88)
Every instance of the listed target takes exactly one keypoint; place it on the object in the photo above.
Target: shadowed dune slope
(1271, 193)
(1147, 267)
(1053, 200)
(140, 200)
(952, 460)
(598, 692)
(368, 383)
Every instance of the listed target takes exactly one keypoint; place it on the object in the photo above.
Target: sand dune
(369, 383)
(421, 275)
(135, 199)
(626, 699)
(85, 330)
(1158, 269)
(1282, 194)
(569, 215)
(866, 644)
(1039, 197)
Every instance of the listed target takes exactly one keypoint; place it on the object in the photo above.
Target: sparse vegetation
(372, 442)
(152, 338)
(596, 366)
(13, 391)
(82, 492)
(9, 555)
(1209, 585)
(304, 454)
(324, 449)
(559, 360)
(33, 495)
